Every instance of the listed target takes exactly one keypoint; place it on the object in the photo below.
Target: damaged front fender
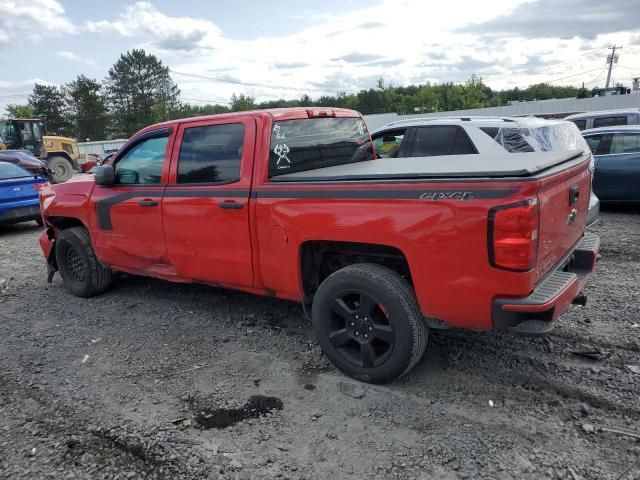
(47, 244)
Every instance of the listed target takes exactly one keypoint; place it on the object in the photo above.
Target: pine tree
(140, 92)
(48, 104)
(87, 108)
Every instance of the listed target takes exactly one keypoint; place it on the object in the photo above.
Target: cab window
(581, 124)
(142, 163)
(622, 143)
(388, 143)
(211, 154)
(610, 121)
(441, 140)
(594, 142)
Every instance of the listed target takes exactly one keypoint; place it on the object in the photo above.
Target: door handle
(230, 204)
(148, 203)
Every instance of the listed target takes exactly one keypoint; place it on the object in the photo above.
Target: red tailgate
(563, 201)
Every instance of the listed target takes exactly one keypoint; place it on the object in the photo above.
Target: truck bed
(458, 166)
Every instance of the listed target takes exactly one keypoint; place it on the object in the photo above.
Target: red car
(26, 160)
(292, 203)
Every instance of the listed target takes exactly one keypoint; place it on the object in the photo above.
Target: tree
(474, 95)
(87, 108)
(48, 104)
(241, 103)
(139, 92)
(20, 111)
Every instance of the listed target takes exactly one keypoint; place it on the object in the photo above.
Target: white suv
(442, 136)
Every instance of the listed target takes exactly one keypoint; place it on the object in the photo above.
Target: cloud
(17, 92)
(566, 19)
(392, 62)
(34, 19)
(163, 31)
(291, 65)
(357, 57)
(75, 58)
(371, 25)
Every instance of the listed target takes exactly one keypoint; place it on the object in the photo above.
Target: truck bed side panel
(444, 239)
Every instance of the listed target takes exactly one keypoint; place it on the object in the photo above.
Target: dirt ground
(120, 386)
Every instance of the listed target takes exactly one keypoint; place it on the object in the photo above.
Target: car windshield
(307, 144)
(9, 170)
(554, 137)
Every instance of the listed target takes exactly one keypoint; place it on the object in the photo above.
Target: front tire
(368, 323)
(80, 270)
(61, 169)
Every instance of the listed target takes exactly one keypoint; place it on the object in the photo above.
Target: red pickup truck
(293, 203)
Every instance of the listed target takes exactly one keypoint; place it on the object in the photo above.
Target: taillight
(40, 186)
(513, 235)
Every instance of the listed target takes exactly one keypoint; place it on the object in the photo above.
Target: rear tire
(368, 323)
(61, 169)
(80, 270)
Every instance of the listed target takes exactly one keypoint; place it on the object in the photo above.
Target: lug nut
(371, 329)
(366, 336)
(357, 316)
(366, 319)
(352, 324)
(357, 333)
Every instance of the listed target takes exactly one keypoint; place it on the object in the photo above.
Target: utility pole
(611, 59)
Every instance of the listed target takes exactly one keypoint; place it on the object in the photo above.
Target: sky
(284, 49)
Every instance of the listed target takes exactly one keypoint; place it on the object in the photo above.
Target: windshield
(554, 137)
(9, 170)
(299, 145)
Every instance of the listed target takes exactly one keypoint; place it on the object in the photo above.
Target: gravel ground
(120, 386)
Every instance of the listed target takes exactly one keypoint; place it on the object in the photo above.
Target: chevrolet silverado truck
(293, 203)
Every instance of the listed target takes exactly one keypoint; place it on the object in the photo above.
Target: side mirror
(105, 175)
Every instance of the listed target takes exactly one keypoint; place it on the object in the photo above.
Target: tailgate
(564, 202)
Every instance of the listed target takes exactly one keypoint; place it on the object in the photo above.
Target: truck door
(617, 173)
(206, 203)
(128, 217)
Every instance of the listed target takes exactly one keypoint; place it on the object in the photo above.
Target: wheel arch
(320, 258)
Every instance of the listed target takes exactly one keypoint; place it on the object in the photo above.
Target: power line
(597, 76)
(574, 75)
(222, 102)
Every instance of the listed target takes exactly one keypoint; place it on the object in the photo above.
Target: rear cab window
(308, 144)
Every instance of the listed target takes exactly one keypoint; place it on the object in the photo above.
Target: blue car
(616, 150)
(19, 191)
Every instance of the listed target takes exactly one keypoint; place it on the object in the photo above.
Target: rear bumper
(20, 214)
(534, 315)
